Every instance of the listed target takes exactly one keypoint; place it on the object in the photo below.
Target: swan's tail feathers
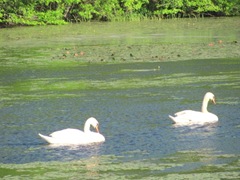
(46, 138)
(172, 118)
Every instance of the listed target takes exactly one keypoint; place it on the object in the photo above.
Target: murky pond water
(43, 93)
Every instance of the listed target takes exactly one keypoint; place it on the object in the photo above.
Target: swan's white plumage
(189, 117)
(75, 136)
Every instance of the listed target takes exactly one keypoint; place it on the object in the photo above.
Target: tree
(39, 12)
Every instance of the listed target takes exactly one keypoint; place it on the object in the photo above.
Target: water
(132, 102)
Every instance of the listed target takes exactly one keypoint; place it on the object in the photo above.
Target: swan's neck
(205, 104)
(87, 127)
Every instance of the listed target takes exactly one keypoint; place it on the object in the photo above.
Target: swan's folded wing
(180, 113)
(95, 137)
(67, 133)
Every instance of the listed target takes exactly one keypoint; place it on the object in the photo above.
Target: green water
(130, 76)
(109, 167)
(121, 42)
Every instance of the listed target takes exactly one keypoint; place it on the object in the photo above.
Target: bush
(39, 12)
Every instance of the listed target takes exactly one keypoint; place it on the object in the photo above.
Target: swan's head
(210, 96)
(92, 121)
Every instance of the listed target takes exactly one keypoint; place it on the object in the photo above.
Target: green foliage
(229, 7)
(199, 7)
(40, 12)
(86, 11)
(17, 12)
(134, 9)
(108, 10)
(169, 8)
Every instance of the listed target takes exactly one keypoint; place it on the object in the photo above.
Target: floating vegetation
(112, 167)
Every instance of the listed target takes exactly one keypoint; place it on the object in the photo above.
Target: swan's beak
(97, 129)
(214, 100)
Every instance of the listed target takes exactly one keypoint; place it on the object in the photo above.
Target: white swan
(189, 117)
(75, 136)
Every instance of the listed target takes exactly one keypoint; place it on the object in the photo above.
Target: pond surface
(44, 92)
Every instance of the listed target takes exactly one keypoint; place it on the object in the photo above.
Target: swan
(74, 136)
(190, 117)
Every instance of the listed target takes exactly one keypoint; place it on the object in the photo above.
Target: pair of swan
(75, 136)
(190, 117)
